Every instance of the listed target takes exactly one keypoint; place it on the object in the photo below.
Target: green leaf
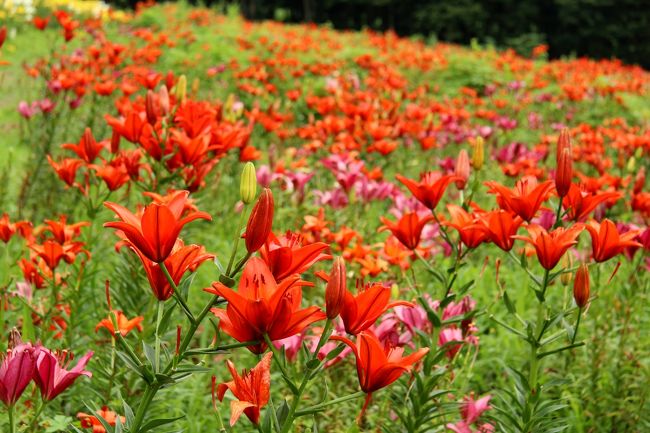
(158, 422)
(282, 412)
(508, 302)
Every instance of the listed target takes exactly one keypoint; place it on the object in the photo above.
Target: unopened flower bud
(566, 263)
(163, 99)
(115, 142)
(336, 288)
(564, 160)
(248, 183)
(462, 169)
(631, 164)
(260, 222)
(639, 181)
(478, 153)
(195, 86)
(581, 286)
(150, 108)
(181, 89)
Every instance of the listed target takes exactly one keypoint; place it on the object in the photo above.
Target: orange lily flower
(430, 189)
(607, 242)
(262, 306)
(550, 247)
(579, 203)
(379, 365)
(124, 325)
(472, 232)
(252, 390)
(500, 227)
(156, 231)
(286, 256)
(91, 421)
(408, 229)
(525, 198)
(360, 312)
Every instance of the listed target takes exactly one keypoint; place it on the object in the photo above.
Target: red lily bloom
(472, 232)
(379, 365)
(525, 199)
(430, 189)
(579, 203)
(155, 233)
(31, 274)
(181, 259)
(131, 127)
(252, 390)
(500, 227)
(124, 325)
(16, 372)
(286, 255)
(66, 169)
(360, 312)
(550, 247)
(87, 149)
(408, 229)
(113, 175)
(607, 242)
(52, 252)
(52, 376)
(262, 306)
(62, 231)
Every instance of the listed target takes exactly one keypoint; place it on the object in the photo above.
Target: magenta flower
(16, 372)
(52, 375)
(26, 110)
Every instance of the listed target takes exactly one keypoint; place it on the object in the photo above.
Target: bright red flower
(260, 221)
(336, 289)
(472, 232)
(16, 372)
(66, 169)
(462, 169)
(62, 231)
(155, 233)
(607, 242)
(114, 176)
(286, 255)
(124, 325)
(181, 259)
(87, 149)
(40, 23)
(52, 252)
(360, 312)
(564, 164)
(429, 189)
(500, 227)
(581, 286)
(379, 365)
(252, 390)
(550, 247)
(579, 203)
(52, 375)
(262, 306)
(524, 199)
(408, 229)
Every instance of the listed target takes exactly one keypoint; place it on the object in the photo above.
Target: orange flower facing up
(156, 231)
(408, 229)
(500, 227)
(52, 252)
(181, 259)
(607, 242)
(472, 232)
(379, 365)
(524, 199)
(360, 312)
(579, 203)
(124, 325)
(252, 390)
(550, 247)
(262, 306)
(91, 421)
(430, 189)
(260, 221)
(285, 255)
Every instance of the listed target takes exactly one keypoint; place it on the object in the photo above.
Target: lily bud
(581, 286)
(564, 160)
(195, 87)
(462, 169)
(336, 288)
(181, 88)
(631, 164)
(478, 153)
(115, 142)
(566, 263)
(248, 183)
(260, 222)
(150, 108)
(639, 181)
(163, 98)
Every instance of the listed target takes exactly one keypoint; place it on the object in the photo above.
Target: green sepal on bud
(248, 184)
(181, 88)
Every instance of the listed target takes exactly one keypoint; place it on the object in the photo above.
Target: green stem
(321, 406)
(237, 237)
(34, 423)
(12, 422)
(575, 331)
(149, 394)
(177, 295)
(161, 308)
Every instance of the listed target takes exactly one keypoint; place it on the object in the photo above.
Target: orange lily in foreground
(500, 227)
(607, 242)
(550, 247)
(252, 390)
(472, 232)
(579, 203)
(524, 199)
(262, 306)
(156, 231)
(286, 255)
(408, 229)
(379, 365)
(430, 188)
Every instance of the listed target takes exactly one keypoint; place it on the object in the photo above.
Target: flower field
(210, 224)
